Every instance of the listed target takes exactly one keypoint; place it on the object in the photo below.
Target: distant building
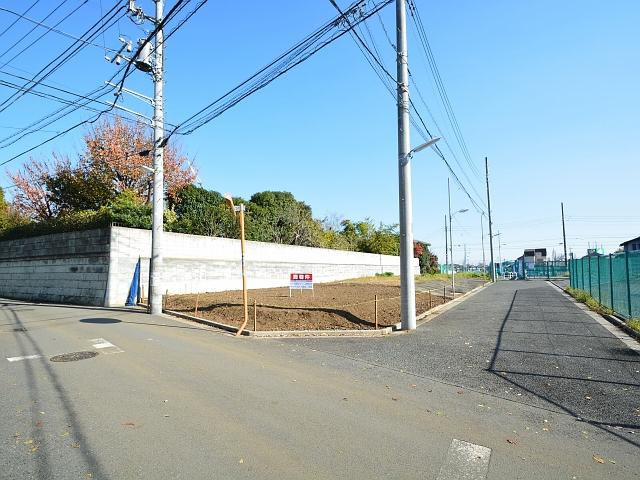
(529, 260)
(632, 245)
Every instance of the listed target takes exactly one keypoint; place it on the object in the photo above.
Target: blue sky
(548, 91)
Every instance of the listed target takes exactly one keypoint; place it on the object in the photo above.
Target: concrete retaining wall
(61, 268)
(195, 263)
(95, 267)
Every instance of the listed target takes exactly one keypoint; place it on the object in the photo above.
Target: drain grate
(73, 356)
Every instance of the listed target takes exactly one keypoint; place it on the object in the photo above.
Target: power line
(17, 19)
(381, 71)
(53, 29)
(415, 16)
(96, 117)
(300, 52)
(62, 58)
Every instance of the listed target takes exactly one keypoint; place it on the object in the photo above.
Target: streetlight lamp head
(148, 169)
(229, 201)
(431, 142)
(462, 210)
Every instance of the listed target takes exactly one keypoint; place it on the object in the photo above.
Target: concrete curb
(283, 333)
(434, 312)
(630, 337)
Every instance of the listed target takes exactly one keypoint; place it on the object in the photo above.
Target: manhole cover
(73, 356)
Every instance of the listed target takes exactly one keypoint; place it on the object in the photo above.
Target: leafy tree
(384, 240)
(203, 212)
(9, 217)
(32, 198)
(110, 164)
(85, 187)
(279, 218)
(428, 261)
(118, 150)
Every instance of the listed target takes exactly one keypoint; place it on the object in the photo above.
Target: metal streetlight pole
(446, 243)
(451, 215)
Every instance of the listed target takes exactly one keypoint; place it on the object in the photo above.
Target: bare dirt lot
(331, 306)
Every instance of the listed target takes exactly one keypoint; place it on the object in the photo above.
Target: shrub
(384, 274)
(634, 323)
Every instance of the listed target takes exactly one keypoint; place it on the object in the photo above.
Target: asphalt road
(168, 399)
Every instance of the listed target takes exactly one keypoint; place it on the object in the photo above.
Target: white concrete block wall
(62, 268)
(195, 263)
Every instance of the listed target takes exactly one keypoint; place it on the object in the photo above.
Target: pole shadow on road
(28, 346)
(553, 364)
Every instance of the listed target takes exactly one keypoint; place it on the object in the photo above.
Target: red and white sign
(301, 281)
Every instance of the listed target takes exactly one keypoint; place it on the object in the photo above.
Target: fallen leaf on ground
(75, 445)
(39, 424)
(28, 442)
(598, 459)
(587, 397)
(129, 424)
(241, 460)
(394, 399)
(460, 392)
(512, 441)
(344, 398)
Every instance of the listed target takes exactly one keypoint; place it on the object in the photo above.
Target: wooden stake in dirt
(430, 300)
(255, 316)
(195, 311)
(376, 309)
(444, 293)
(166, 299)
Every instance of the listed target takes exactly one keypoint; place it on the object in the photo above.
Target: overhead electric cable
(53, 29)
(17, 19)
(62, 58)
(301, 51)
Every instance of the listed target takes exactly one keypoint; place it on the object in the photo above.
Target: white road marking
(26, 357)
(465, 461)
(105, 346)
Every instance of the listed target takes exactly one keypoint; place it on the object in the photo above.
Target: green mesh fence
(604, 283)
(613, 280)
(634, 283)
(549, 269)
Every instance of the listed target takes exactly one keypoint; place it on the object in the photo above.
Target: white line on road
(465, 460)
(105, 346)
(26, 357)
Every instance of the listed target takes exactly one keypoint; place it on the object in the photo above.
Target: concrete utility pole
(407, 281)
(155, 274)
(453, 266)
(446, 243)
(484, 261)
(493, 265)
(564, 235)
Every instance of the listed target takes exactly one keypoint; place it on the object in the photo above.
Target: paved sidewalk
(525, 341)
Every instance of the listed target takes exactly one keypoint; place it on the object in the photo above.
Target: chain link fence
(613, 280)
